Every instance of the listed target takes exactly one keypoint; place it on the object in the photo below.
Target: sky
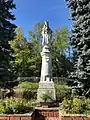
(28, 12)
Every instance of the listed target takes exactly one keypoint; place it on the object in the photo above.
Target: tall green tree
(6, 34)
(61, 64)
(35, 36)
(80, 39)
(22, 53)
(61, 39)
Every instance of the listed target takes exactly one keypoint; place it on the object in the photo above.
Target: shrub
(44, 97)
(76, 106)
(28, 85)
(47, 96)
(27, 90)
(29, 94)
(62, 91)
(18, 93)
(14, 106)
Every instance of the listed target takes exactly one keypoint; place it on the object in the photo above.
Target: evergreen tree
(80, 39)
(6, 34)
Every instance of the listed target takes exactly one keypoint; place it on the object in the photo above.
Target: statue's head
(46, 23)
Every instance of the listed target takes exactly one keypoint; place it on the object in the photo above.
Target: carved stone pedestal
(46, 92)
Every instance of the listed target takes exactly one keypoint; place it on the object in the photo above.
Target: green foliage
(35, 38)
(76, 106)
(26, 62)
(45, 97)
(62, 91)
(8, 78)
(19, 34)
(29, 94)
(28, 90)
(61, 65)
(7, 32)
(14, 106)
(61, 39)
(60, 47)
(80, 39)
(22, 53)
(28, 85)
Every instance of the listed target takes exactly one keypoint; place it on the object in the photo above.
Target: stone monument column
(46, 84)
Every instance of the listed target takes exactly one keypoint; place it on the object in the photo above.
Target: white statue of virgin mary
(46, 34)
